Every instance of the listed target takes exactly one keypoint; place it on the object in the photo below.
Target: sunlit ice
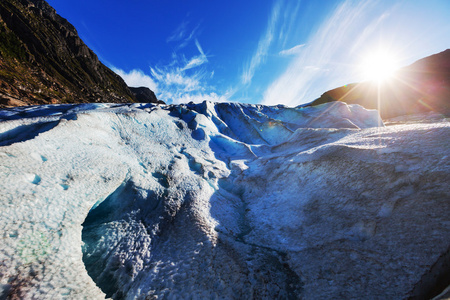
(379, 65)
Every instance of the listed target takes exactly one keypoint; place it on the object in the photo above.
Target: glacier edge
(219, 200)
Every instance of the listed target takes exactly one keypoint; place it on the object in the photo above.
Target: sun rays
(379, 65)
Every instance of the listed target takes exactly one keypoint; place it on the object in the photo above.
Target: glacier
(221, 201)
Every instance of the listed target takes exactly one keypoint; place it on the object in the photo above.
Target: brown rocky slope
(44, 61)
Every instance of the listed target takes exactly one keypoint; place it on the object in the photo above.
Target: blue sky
(270, 52)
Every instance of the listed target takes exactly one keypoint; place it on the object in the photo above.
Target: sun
(379, 66)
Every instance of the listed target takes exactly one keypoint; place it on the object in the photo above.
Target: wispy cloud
(176, 86)
(183, 35)
(326, 58)
(137, 78)
(196, 61)
(263, 45)
(292, 51)
(202, 96)
(179, 33)
(182, 79)
(290, 18)
(169, 78)
(367, 32)
(199, 48)
(173, 85)
(179, 81)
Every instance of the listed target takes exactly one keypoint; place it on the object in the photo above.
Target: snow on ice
(220, 201)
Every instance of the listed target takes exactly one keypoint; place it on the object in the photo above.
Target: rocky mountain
(44, 61)
(145, 95)
(421, 87)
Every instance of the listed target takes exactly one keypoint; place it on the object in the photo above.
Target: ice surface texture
(219, 201)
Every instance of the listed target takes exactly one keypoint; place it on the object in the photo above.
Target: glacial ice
(219, 201)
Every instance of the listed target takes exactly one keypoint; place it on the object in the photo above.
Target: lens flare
(379, 66)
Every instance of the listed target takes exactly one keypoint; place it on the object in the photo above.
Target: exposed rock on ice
(220, 201)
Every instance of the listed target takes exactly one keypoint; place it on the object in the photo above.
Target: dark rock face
(145, 95)
(421, 87)
(43, 60)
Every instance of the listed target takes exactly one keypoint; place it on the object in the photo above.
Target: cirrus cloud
(181, 80)
(291, 51)
(263, 45)
(328, 57)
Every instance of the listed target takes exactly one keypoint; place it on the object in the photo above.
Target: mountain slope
(43, 60)
(420, 87)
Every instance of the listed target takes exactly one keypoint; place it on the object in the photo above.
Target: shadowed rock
(145, 95)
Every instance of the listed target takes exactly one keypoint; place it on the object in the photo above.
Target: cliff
(44, 61)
